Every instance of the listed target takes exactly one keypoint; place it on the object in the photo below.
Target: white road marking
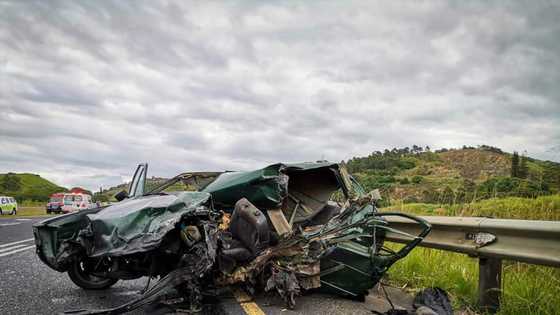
(10, 248)
(23, 219)
(8, 224)
(14, 243)
(17, 250)
(59, 300)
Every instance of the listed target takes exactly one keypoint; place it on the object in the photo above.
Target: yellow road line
(247, 303)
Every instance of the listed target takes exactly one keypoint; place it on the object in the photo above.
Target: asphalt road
(27, 286)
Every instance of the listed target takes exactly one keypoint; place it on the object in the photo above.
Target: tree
(523, 170)
(515, 164)
(100, 197)
(404, 181)
(10, 182)
(447, 196)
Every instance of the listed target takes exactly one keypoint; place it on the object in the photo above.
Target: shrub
(417, 179)
(404, 181)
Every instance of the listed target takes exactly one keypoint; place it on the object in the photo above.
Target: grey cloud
(89, 89)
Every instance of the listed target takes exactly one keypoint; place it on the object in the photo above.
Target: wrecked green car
(286, 228)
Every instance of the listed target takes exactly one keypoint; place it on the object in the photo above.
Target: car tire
(84, 280)
(14, 212)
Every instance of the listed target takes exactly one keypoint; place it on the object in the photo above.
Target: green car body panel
(266, 188)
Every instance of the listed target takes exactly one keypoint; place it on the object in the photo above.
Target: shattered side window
(354, 188)
(180, 186)
(338, 196)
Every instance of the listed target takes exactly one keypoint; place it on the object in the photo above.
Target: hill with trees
(25, 186)
(452, 176)
(410, 174)
(109, 194)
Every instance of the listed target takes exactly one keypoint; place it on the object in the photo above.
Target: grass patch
(27, 212)
(540, 208)
(456, 273)
(527, 289)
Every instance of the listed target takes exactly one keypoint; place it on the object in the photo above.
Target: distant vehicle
(8, 205)
(55, 203)
(75, 202)
(69, 202)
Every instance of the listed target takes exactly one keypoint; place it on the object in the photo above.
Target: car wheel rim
(88, 276)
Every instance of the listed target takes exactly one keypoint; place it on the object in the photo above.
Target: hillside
(444, 176)
(406, 174)
(453, 175)
(25, 186)
(109, 194)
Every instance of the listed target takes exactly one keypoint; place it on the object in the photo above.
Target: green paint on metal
(266, 188)
(139, 224)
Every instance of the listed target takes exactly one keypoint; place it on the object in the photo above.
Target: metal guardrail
(534, 242)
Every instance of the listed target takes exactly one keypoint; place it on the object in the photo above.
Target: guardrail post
(489, 284)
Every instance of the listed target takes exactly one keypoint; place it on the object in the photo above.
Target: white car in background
(8, 205)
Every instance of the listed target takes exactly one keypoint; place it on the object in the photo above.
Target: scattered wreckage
(274, 229)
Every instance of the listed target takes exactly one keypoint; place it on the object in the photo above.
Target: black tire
(14, 212)
(84, 280)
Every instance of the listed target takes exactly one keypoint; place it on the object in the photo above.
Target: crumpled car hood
(139, 225)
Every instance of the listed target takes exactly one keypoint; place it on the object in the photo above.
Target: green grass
(32, 203)
(527, 289)
(541, 208)
(27, 212)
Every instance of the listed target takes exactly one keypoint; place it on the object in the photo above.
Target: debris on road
(387, 300)
(435, 299)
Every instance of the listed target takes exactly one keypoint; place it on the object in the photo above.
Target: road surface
(28, 286)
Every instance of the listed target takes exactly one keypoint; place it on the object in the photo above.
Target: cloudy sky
(89, 89)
